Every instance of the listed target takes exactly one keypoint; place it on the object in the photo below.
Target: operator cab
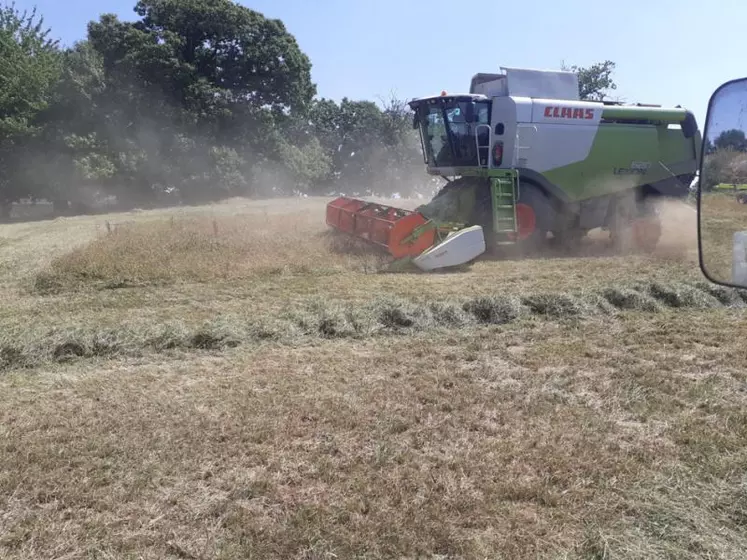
(454, 130)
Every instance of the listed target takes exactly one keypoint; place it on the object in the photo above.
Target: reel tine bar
(382, 225)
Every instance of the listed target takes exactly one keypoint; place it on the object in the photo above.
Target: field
(721, 217)
(234, 381)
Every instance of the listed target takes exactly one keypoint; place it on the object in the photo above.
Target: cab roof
(450, 97)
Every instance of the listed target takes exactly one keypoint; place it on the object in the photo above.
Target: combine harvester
(524, 157)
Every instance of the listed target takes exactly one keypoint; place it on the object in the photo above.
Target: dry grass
(619, 442)
(247, 394)
(722, 217)
(205, 249)
(255, 246)
(321, 319)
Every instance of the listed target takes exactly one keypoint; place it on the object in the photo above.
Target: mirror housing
(722, 186)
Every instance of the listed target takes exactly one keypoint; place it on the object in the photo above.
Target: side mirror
(722, 186)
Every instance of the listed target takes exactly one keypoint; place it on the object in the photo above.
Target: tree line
(192, 102)
(725, 159)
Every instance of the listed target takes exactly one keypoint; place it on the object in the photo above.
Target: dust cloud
(679, 235)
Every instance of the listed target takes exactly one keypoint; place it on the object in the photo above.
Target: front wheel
(534, 215)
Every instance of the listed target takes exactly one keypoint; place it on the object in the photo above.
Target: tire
(447, 213)
(567, 241)
(621, 232)
(532, 197)
(635, 226)
(532, 205)
(648, 226)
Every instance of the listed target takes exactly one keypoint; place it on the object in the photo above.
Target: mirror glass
(722, 187)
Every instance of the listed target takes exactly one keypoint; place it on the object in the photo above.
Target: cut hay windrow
(324, 319)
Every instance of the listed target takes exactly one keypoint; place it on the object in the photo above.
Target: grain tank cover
(522, 82)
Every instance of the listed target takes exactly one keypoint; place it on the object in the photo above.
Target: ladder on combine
(504, 189)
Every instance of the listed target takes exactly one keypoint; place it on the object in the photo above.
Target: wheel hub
(526, 221)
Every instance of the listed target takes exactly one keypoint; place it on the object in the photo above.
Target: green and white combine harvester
(528, 163)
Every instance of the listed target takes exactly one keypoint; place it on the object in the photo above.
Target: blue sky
(667, 51)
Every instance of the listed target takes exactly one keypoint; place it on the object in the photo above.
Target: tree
(235, 49)
(403, 171)
(73, 161)
(195, 101)
(724, 159)
(371, 148)
(212, 59)
(709, 148)
(723, 166)
(193, 75)
(732, 139)
(594, 81)
(349, 134)
(29, 68)
(736, 171)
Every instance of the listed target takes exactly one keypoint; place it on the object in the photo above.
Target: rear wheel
(647, 227)
(568, 240)
(621, 231)
(635, 225)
